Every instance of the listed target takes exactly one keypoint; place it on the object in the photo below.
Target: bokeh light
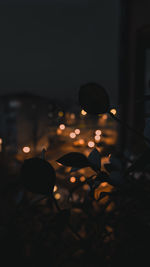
(55, 188)
(91, 144)
(82, 179)
(86, 187)
(60, 114)
(72, 116)
(97, 138)
(72, 135)
(57, 196)
(113, 111)
(26, 149)
(72, 179)
(59, 132)
(62, 126)
(77, 131)
(83, 112)
(98, 132)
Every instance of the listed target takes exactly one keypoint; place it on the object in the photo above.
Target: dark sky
(52, 47)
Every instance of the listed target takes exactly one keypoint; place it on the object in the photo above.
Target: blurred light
(50, 114)
(97, 138)
(104, 184)
(91, 144)
(57, 196)
(60, 114)
(81, 141)
(59, 164)
(83, 112)
(55, 188)
(77, 131)
(62, 126)
(1, 141)
(72, 179)
(113, 111)
(67, 169)
(105, 117)
(14, 104)
(72, 116)
(98, 132)
(26, 149)
(82, 178)
(86, 187)
(59, 131)
(72, 135)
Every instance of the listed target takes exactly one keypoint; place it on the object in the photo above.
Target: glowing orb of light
(62, 126)
(72, 179)
(91, 144)
(77, 131)
(98, 132)
(26, 149)
(72, 135)
(57, 196)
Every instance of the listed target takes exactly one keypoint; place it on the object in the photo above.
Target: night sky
(52, 47)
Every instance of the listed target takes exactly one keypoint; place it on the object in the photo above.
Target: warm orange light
(72, 116)
(59, 164)
(60, 114)
(97, 138)
(62, 126)
(57, 196)
(26, 149)
(72, 179)
(72, 135)
(1, 141)
(55, 188)
(81, 141)
(105, 117)
(104, 184)
(98, 132)
(86, 187)
(113, 111)
(82, 178)
(83, 112)
(59, 132)
(77, 131)
(91, 144)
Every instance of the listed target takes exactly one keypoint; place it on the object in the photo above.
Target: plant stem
(130, 128)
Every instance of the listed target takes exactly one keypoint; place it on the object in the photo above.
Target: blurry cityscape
(30, 123)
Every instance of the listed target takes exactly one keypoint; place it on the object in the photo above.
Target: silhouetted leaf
(93, 98)
(109, 167)
(38, 176)
(102, 176)
(103, 194)
(75, 160)
(95, 159)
